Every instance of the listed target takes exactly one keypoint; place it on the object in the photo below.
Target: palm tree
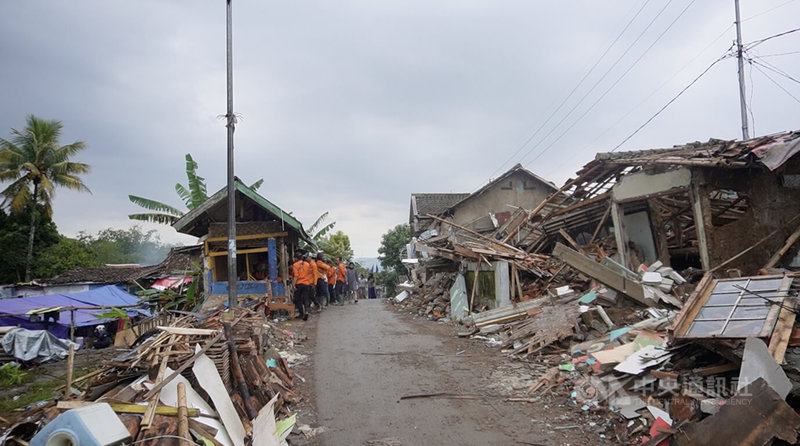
(35, 164)
(192, 195)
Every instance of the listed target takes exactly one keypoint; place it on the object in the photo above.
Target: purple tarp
(109, 296)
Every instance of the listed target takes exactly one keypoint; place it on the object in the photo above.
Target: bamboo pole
(70, 366)
(183, 416)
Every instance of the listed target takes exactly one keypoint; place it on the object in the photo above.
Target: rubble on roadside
(226, 379)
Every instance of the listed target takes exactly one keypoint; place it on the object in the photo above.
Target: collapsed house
(657, 284)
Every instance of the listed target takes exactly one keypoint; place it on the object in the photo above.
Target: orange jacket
(303, 273)
(342, 273)
(322, 270)
(332, 275)
(314, 270)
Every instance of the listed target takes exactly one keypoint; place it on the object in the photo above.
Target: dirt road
(376, 373)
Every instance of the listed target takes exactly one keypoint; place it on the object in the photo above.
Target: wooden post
(183, 416)
(72, 325)
(238, 376)
(474, 285)
(519, 285)
(70, 365)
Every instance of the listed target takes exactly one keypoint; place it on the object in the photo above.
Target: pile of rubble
(672, 356)
(224, 380)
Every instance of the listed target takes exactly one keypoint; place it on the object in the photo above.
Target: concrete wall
(518, 190)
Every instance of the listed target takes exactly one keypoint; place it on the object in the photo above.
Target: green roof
(187, 224)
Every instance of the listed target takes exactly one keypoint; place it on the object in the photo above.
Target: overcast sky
(351, 106)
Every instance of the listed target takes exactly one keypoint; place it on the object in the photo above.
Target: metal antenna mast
(231, 125)
(742, 97)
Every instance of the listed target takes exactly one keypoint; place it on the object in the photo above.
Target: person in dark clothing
(371, 286)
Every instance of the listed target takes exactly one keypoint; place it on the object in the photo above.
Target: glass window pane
(764, 284)
(750, 312)
(705, 328)
(714, 313)
(728, 286)
(744, 328)
(722, 299)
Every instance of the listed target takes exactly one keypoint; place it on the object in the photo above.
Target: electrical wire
(779, 54)
(756, 43)
(776, 83)
(663, 84)
(775, 70)
(574, 89)
(670, 102)
(608, 90)
(593, 87)
(768, 10)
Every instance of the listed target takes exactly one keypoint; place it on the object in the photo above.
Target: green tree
(317, 231)
(126, 246)
(393, 243)
(193, 194)
(67, 254)
(34, 162)
(337, 245)
(14, 230)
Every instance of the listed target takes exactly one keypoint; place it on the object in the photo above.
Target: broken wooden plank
(753, 417)
(188, 331)
(186, 364)
(602, 274)
(782, 331)
(789, 242)
(128, 408)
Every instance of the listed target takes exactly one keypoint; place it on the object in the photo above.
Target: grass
(32, 392)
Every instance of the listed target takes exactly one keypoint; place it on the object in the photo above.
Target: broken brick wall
(771, 206)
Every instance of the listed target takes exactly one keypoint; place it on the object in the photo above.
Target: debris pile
(222, 381)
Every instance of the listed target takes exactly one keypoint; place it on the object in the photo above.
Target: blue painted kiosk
(266, 238)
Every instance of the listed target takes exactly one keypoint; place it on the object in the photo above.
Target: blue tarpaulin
(107, 296)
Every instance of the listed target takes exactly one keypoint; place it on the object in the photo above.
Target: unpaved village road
(368, 359)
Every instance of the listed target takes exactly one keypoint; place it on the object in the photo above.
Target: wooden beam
(782, 332)
(788, 244)
(603, 274)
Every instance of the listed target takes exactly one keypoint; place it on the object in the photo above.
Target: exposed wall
(771, 206)
(518, 190)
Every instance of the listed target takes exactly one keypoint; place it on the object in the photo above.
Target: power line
(775, 82)
(768, 10)
(592, 88)
(779, 54)
(774, 69)
(663, 84)
(670, 102)
(755, 43)
(608, 90)
(574, 89)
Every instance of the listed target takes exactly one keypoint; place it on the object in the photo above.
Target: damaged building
(656, 284)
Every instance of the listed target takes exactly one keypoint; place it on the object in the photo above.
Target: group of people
(319, 283)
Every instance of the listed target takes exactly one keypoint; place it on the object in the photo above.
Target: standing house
(492, 205)
(486, 210)
(266, 238)
(423, 205)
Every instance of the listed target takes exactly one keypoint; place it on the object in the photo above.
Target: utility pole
(231, 124)
(742, 97)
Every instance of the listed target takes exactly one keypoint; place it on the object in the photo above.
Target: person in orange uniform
(332, 283)
(341, 278)
(323, 269)
(312, 294)
(303, 278)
